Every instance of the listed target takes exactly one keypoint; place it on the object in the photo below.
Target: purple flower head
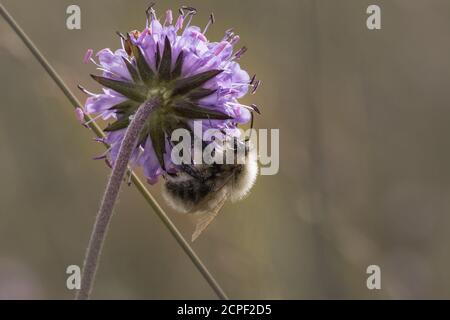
(195, 79)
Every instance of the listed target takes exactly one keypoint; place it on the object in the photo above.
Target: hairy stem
(110, 196)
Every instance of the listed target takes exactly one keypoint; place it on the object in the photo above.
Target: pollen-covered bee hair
(202, 189)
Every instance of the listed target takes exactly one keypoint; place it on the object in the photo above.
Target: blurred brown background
(364, 176)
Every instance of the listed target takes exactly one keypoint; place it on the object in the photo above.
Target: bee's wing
(205, 213)
(207, 216)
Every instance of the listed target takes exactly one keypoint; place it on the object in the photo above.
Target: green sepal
(122, 123)
(192, 111)
(166, 61)
(125, 106)
(132, 70)
(183, 86)
(157, 56)
(200, 93)
(178, 65)
(128, 89)
(146, 73)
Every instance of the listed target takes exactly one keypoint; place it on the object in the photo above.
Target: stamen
(251, 124)
(88, 56)
(93, 119)
(240, 52)
(252, 107)
(103, 155)
(85, 91)
(121, 35)
(228, 34)
(210, 22)
(169, 17)
(235, 40)
(110, 72)
(189, 9)
(100, 157)
(179, 24)
(150, 14)
(95, 62)
(255, 86)
(108, 163)
(237, 85)
(255, 108)
(123, 41)
(80, 115)
(252, 79)
(191, 13)
(100, 140)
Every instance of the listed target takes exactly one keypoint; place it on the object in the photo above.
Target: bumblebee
(203, 189)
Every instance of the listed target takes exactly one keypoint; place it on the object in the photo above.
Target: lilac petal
(242, 115)
(88, 56)
(149, 161)
(156, 27)
(113, 63)
(114, 139)
(102, 102)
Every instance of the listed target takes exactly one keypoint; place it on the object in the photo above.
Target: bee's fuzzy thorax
(245, 180)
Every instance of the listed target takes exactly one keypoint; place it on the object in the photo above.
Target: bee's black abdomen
(190, 190)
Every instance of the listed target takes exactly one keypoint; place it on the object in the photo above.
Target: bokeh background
(364, 157)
